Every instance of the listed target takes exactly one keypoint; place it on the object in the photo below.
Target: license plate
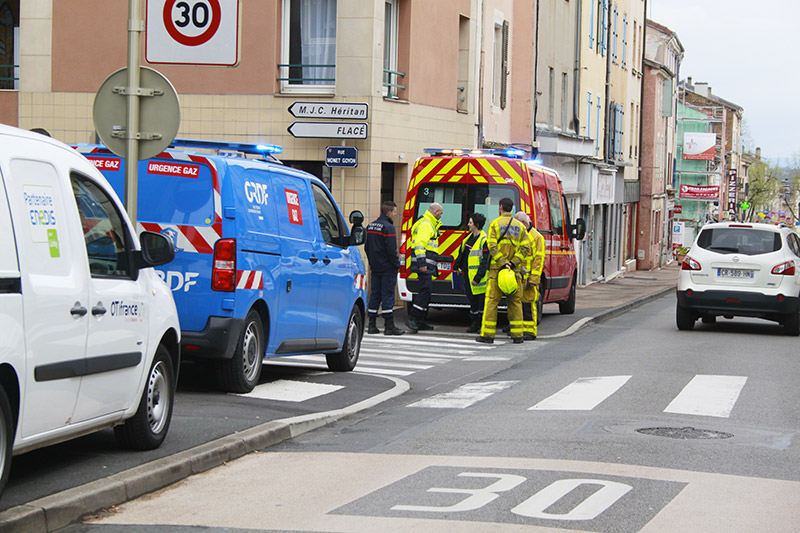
(443, 266)
(734, 273)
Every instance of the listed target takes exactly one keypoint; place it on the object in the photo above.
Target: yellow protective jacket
(513, 247)
(474, 263)
(425, 242)
(535, 262)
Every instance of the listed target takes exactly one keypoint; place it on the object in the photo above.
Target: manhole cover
(684, 433)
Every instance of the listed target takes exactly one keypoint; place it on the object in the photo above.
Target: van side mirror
(156, 250)
(578, 230)
(358, 234)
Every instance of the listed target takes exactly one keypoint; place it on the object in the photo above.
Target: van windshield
(461, 199)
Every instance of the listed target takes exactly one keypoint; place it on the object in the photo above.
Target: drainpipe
(606, 120)
(577, 71)
(536, 73)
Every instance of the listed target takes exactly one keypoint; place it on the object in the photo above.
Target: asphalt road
(629, 425)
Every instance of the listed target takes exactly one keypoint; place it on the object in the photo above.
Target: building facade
(663, 55)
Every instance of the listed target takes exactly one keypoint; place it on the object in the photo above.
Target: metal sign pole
(135, 28)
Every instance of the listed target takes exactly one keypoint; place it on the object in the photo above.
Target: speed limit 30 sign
(192, 32)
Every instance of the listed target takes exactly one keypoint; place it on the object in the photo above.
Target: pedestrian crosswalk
(703, 395)
(406, 355)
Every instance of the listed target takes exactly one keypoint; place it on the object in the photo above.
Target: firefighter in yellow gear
(534, 264)
(509, 245)
(425, 247)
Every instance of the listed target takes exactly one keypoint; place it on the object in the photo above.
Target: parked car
(736, 269)
(90, 335)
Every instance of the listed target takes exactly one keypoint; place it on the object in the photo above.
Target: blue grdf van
(264, 263)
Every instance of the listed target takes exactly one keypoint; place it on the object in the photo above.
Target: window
(309, 46)
(556, 217)
(624, 41)
(463, 64)
(330, 223)
(9, 45)
(588, 114)
(459, 200)
(500, 63)
(602, 26)
(591, 25)
(666, 101)
(390, 31)
(597, 130)
(107, 240)
(744, 241)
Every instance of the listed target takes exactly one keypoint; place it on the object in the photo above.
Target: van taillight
(223, 275)
(784, 269)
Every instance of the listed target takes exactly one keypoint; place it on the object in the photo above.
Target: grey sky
(746, 52)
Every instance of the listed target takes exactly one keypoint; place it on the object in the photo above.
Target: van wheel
(567, 307)
(147, 429)
(346, 360)
(6, 439)
(684, 318)
(241, 373)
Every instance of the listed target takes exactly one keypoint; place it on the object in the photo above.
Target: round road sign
(158, 114)
(196, 17)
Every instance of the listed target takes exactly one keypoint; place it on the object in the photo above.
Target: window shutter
(666, 94)
(504, 71)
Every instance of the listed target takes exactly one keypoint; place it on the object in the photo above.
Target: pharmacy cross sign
(192, 32)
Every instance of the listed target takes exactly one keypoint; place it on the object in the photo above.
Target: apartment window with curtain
(391, 78)
(500, 63)
(308, 54)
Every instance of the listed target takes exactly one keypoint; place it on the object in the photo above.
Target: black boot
(475, 326)
(389, 327)
(412, 326)
(372, 327)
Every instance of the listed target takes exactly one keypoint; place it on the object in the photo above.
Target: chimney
(689, 82)
(702, 88)
(758, 153)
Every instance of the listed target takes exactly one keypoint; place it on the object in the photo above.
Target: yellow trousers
(493, 297)
(529, 298)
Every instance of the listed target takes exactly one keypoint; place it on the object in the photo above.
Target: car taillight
(690, 264)
(784, 269)
(223, 275)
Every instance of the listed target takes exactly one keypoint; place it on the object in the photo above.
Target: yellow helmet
(507, 281)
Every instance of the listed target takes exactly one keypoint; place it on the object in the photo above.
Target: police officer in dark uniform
(381, 248)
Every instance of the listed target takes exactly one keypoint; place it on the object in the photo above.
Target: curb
(610, 313)
(62, 509)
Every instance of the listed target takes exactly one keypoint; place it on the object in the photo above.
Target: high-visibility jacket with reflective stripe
(535, 262)
(514, 246)
(474, 262)
(425, 240)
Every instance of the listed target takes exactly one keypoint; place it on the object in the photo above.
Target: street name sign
(192, 32)
(358, 111)
(329, 130)
(341, 156)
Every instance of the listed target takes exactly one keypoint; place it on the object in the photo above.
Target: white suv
(741, 269)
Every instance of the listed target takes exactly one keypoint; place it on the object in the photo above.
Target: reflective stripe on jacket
(425, 240)
(535, 262)
(474, 262)
(513, 247)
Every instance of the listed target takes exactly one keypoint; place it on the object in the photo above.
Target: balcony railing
(390, 79)
(294, 79)
(8, 78)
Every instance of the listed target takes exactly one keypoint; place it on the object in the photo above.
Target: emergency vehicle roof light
(515, 153)
(533, 161)
(254, 149)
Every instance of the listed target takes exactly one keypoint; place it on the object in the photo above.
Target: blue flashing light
(533, 161)
(253, 149)
(515, 152)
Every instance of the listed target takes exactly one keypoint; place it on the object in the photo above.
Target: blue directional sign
(341, 156)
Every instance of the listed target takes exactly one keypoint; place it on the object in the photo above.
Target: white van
(90, 335)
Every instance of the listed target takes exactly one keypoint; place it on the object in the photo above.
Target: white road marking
(583, 394)
(433, 341)
(290, 391)
(373, 355)
(708, 396)
(464, 396)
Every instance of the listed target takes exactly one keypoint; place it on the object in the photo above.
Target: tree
(764, 187)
